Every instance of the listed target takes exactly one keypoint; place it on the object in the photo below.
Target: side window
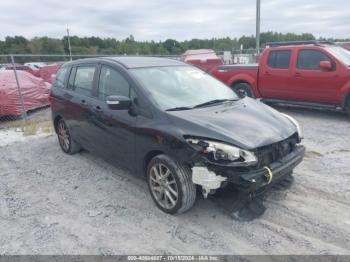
(84, 80)
(310, 59)
(60, 77)
(279, 59)
(71, 78)
(112, 83)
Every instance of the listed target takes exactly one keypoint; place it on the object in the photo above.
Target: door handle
(267, 73)
(297, 74)
(97, 109)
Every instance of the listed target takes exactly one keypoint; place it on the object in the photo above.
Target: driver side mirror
(326, 65)
(118, 102)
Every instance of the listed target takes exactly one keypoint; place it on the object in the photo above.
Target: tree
(129, 46)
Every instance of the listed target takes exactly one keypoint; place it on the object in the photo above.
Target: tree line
(129, 46)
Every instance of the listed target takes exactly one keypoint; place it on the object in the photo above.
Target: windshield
(340, 53)
(182, 87)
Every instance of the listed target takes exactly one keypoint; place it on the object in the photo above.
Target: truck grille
(277, 151)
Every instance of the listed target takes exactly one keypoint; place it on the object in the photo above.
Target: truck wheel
(68, 145)
(243, 90)
(170, 185)
(347, 106)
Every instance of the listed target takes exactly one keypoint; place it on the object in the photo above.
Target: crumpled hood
(246, 123)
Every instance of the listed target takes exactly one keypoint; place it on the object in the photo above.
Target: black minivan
(174, 124)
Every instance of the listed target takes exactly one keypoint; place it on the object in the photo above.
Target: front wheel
(243, 90)
(170, 185)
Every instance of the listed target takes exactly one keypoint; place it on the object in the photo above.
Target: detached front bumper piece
(256, 181)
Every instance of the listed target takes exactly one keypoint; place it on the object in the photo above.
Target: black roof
(135, 61)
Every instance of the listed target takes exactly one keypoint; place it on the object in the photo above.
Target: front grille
(272, 153)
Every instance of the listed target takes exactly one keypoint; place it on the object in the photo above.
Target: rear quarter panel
(234, 74)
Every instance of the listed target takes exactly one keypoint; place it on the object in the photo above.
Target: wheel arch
(148, 157)
(346, 99)
(247, 79)
(55, 122)
(240, 81)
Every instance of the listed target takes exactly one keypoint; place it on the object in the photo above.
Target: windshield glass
(340, 53)
(181, 86)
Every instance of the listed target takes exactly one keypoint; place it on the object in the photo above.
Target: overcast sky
(181, 19)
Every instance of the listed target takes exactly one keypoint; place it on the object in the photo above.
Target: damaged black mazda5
(174, 124)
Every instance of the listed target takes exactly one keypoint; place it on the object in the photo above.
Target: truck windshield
(182, 87)
(340, 53)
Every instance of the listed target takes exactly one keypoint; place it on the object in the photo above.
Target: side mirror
(326, 65)
(118, 102)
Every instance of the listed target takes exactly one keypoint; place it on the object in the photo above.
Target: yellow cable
(269, 176)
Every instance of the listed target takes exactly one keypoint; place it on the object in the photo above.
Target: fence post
(24, 112)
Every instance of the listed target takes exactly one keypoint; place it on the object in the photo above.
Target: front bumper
(257, 180)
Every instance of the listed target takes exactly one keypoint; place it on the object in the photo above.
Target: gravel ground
(52, 203)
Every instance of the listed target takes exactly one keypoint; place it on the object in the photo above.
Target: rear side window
(84, 80)
(310, 59)
(71, 79)
(279, 59)
(60, 77)
(112, 83)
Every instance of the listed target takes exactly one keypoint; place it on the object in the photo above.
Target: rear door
(113, 129)
(310, 82)
(275, 76)
(79, 95)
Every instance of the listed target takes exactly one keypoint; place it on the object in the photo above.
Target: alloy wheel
(163, 186)
(63, 136)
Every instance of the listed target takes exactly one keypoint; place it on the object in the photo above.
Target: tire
(67, 143)
(243, 90)
(347, 106)
(179, 179)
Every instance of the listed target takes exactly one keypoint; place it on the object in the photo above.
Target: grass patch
(29, 128)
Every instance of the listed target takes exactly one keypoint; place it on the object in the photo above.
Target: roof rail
(312, 42)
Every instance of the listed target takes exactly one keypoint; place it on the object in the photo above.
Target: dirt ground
(52, 203)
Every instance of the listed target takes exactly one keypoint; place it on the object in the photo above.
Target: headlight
(296, 124)
(223, 153)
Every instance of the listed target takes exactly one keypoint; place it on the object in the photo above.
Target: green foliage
(129, 46)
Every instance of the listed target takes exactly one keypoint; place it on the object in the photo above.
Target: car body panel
(237, 123)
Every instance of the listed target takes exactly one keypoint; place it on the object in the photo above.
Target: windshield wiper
(179, 108)
(216, 101)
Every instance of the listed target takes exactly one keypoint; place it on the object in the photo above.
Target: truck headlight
(223, 153)
(296, 124)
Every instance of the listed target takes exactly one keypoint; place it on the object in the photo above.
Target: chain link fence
(240, 56)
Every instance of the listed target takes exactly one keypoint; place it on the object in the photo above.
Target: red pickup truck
(312, 73)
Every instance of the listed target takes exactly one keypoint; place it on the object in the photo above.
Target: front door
(312, 83)
(114, 128)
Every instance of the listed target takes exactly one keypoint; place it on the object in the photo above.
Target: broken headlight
(296, 124)
(223, 153)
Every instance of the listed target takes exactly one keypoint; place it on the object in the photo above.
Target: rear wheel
(68, 145)
(347, 105)
(243, 90)
(170, 185)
